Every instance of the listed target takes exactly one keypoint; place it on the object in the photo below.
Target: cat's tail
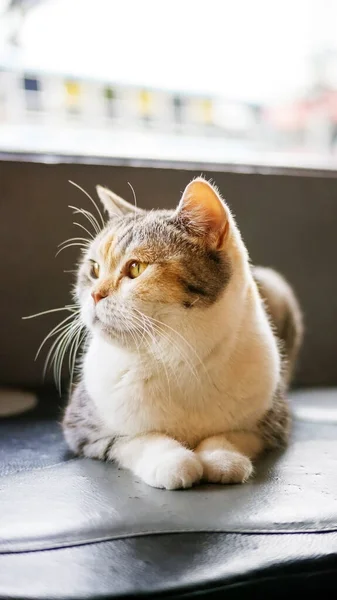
(284, 311)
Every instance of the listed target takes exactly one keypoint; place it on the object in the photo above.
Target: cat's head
(156, 266)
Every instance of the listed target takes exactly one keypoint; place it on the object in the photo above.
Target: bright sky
(249, 49)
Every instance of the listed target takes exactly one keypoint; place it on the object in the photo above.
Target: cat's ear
(203, 212)
(113, 204)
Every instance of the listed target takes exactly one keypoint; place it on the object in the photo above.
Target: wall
(288, 221)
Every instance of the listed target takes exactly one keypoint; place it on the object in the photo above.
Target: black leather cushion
(34, 439)
(63, 507)
(181, 565)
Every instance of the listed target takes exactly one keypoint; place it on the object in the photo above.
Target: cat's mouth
(117, 323)
(109, 328)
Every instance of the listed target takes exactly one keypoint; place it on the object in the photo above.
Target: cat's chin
(109, 333)
(97, 326)
(106, 330)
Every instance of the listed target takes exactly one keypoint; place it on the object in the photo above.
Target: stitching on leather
(87, 542)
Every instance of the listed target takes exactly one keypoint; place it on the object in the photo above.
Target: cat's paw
(173, 470)
(224, 466)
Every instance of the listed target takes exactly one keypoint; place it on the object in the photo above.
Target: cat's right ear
(204, 213)
(113, 204)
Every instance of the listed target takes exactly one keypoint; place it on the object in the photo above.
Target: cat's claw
(224, 466)
(179, 468)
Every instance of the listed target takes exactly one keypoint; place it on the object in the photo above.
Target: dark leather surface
(53, 503)
(176, 565)
(316, 407)
(34, 439)
(85, 501)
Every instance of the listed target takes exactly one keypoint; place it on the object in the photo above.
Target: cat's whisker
(157, 326)
(69, 307)
(64, 332)
(131, 330)
(71, 351)
(60, 332)
(144, 327)
(60, 352)
(92, 220)
(184, 356)
(147, 328)
(91, 200)
(84, 337)
(160, 323)
(162, 362)
(140, 331)
(133, 334)
(75, 239)
(57, 341)
(73, 348)
(195, 301)
(84, 229)
(83, 246)
(75, 344)
(139, 325)
(134, 194)
(54, 331)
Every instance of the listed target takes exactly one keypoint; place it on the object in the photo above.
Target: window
(73, 92)
(32, 89)
(220, 81)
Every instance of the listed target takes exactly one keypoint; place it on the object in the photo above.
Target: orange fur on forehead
(111, 253)
(106, 247)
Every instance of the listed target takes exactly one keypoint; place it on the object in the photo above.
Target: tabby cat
(190, 350)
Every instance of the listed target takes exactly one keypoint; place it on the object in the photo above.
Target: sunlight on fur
(186, 351)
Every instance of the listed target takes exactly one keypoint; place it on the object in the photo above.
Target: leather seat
(76, 528)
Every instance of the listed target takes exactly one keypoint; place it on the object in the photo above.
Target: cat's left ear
(113, 204)
(203, 212)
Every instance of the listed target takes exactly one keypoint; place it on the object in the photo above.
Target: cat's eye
(94, 271)
(136, 268)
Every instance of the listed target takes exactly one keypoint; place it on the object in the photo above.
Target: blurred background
(155, 93)
(216, 81)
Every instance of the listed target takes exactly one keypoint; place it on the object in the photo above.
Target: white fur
(220, 379)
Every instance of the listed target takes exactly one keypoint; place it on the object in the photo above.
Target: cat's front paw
(224, 466)
(176, 469)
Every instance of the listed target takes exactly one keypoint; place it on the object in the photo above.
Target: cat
(191, 350)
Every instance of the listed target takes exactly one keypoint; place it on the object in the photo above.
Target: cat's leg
(156, 458)
(159, 460)
(227, 458)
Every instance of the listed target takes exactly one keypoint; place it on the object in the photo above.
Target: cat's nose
(97, 296)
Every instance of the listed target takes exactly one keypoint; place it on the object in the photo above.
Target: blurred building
(309, 121)
(66, 102)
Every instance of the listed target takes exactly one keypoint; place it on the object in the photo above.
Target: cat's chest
(134, 397)
(129, 394)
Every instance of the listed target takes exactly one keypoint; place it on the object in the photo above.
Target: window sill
(268, 164)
